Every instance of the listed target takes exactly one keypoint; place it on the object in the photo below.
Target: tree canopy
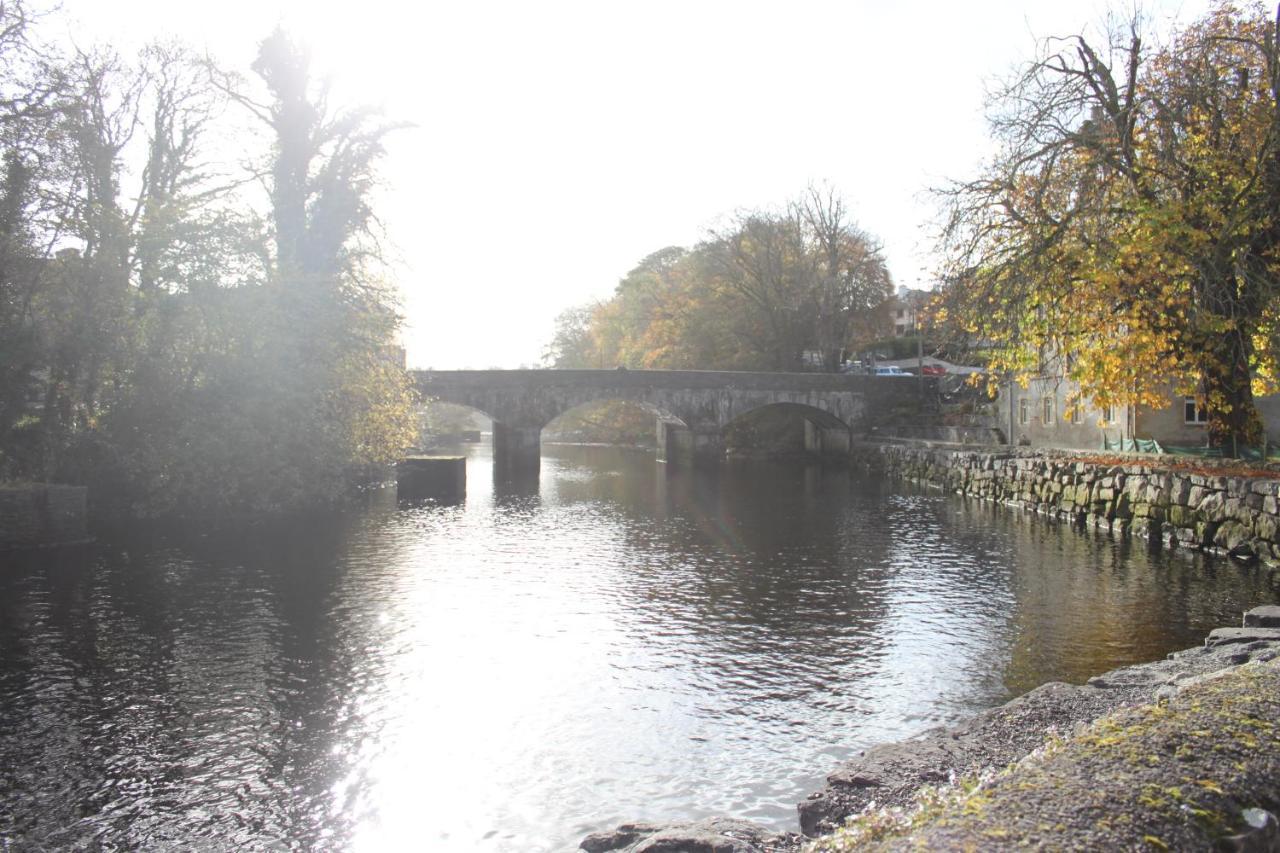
(757, 294)
(161, 337)
(1125, 233)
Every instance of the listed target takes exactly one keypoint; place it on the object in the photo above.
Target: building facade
(1049, 413)
(906, 310)
(1041, 415)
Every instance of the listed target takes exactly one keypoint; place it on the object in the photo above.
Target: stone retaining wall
(1138, 497)
(34, 515)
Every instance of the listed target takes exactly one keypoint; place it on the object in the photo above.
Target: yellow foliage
(1135, 249)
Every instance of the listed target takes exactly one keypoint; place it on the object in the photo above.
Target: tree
(327, 264)
(21, 95)
(572, 344)
(763, 261)
(278, 383)
(852, 281)
(151, 342)
(805, 275)
(754, 296)
(1126, 227)
(323, 165)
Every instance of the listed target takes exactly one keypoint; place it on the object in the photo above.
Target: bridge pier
(708, 446)
(517, 450)
(674, 440)
(827, 441)
(680, 445)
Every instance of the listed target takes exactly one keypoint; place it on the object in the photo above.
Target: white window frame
(1199, 416)
(1024, 411)
(1048, 410)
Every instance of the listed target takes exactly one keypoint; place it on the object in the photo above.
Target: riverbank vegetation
(1124, 234)
(193, 314)
(771, 290)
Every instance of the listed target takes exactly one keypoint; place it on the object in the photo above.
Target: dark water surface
(618, 642)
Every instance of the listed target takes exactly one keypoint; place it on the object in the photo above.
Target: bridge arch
(660, 426)
(823, 432)
(425, 406)
(809, 412)
(656, 410)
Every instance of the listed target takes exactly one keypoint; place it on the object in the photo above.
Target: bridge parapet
(625, 378)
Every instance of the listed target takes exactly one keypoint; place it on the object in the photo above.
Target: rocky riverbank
(1204, 723)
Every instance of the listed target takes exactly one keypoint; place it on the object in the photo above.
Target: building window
(1109, 414)
(1023, 413)
(1076, 415)
(1193, 414)
(1048, 410)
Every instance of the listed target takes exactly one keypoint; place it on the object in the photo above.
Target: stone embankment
(1209, 505)
(1182, 753)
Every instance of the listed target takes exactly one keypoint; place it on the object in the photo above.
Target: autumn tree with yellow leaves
(1128, 227)
(760, 293)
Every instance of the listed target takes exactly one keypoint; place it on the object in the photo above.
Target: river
(617, 641)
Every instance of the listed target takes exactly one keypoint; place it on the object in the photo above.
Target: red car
(933, 370)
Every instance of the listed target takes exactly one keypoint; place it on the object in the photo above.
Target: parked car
(891, 370)
(933, 370)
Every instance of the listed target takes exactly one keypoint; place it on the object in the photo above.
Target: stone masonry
(1137, 497)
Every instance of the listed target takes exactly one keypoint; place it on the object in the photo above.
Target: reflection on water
(615, 641)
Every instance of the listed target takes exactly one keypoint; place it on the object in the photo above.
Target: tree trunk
(1234, 423)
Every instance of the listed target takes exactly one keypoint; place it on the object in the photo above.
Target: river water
(614, 642)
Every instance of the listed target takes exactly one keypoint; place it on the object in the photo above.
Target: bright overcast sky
(559, 143)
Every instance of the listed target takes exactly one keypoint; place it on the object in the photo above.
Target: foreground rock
(893, 774)
(1199, 770)
(880, 790)
(713, 835)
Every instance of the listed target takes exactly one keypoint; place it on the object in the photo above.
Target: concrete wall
(34, 515)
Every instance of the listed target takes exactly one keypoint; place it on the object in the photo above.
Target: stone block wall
(33, 515)
(1198, 509)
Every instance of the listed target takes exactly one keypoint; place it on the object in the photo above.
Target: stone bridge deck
(692, 407)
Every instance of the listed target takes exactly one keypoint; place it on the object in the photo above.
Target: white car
(891, 370)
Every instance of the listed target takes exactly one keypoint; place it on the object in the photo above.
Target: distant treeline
(774, 290)
(192, 318)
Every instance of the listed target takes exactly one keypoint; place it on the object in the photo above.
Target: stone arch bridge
(692, 407)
